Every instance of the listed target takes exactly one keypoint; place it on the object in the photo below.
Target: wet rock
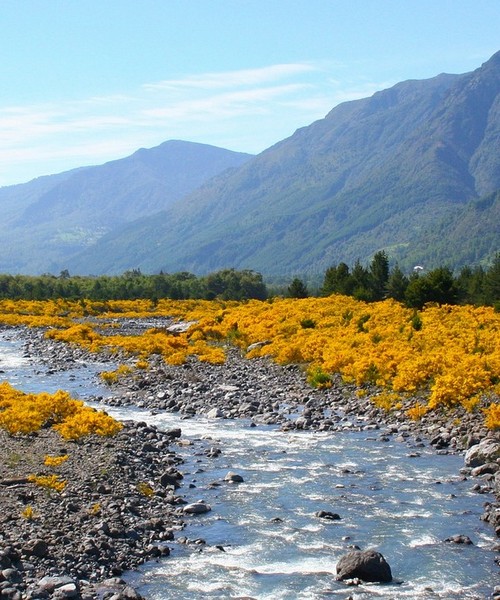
(366, 565)
(233, 478)
(196, 508)
(326, 514)
(486, 469)
(459, 539)
(487, 451)
(215, 413)
(167, 479)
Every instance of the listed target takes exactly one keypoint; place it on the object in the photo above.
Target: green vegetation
(477, 286)
(377, 281)
(227, 284)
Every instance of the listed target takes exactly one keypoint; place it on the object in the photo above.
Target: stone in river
(233, 477)
(366, 565)
(487, 451)
(326, 514)
(459, 539)
(197, 508)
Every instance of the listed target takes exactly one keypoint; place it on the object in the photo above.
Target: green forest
(373, 282)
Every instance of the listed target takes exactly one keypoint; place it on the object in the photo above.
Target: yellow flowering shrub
(81, 334)
(49, 482)
(55, 461)
(492, 414)
(145, 489)
(448, 354)
(387, 400)
(22, 413)
(28, 513)
(87, 422)
(113, 376)
(418, 411)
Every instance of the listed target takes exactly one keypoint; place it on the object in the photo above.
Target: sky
(83, 82)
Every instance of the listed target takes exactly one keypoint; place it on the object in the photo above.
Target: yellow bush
(22, 413)
(87, 421)
(492, 416)
(55, 461)
(145, 489)
(386, 400)
(28, 513)
(110, 377)
(452, 358)
(49, 482)
(417, 412)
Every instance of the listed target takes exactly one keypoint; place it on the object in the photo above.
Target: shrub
(55, 461)
(317, 378)
(49, 482)
(492, 416)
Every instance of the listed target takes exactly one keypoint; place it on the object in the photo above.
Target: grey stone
(196, 508)
(487, 451)
(366, 565)
(233, 478)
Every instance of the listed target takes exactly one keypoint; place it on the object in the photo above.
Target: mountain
(413, 170)
(46, 221)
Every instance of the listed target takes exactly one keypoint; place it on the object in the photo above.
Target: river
(262, 539)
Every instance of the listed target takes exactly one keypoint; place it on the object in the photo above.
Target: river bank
(257, 390)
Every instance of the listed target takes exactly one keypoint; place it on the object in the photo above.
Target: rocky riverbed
(106, 521)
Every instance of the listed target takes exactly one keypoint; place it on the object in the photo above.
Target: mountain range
(413, 170)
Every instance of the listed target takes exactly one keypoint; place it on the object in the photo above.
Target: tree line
(227, 284)
(377, 281)
(371, 283)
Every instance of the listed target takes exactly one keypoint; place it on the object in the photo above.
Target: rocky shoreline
(103, 524)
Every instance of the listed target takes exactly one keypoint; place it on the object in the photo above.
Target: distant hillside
(46, 221)
(414, 170)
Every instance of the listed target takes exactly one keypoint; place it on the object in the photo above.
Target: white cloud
(245, 110)
(243, 77)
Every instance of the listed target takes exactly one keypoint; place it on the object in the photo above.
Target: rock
(11, 593)
(366, 565)
(196, 508)
(49, 584)
(258, 345)
(167, 479)
(459, 539)
(213, 452)
(486, 469)
(175, 432)
(116, 589)
(326, 514)
(215, 413)
(12, 575)
(233, 478)
(487, 451)
(69, 590)
(37, 548)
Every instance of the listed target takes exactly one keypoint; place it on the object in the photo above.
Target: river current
(262, 539)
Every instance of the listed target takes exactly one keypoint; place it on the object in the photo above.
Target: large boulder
(196, 508)
(366, 565)
(487, 451)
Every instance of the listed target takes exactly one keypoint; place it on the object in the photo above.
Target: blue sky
(87, 81)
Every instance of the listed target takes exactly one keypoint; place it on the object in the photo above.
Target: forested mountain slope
(47, 220)
(412, 170)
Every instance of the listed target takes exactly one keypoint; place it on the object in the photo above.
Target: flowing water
(262, 538)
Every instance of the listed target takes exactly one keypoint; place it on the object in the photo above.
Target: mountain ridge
(378, 173)
(52, 217)
(412, 170)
